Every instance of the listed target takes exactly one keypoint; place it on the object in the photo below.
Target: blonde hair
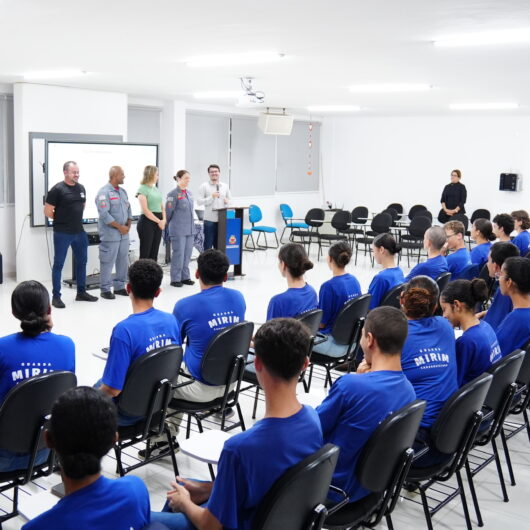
(149, 175)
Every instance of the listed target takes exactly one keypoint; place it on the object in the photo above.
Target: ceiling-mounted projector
(275, 123)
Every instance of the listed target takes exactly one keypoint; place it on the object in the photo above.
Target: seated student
(460, 258)
(514, 331)
(482, 234)
(477, 348)
(385, 249)
(300, 296)
(428, 358)
(503, 225)
(358, 403)
(501, 304)
(82, 431)
(34, 351)
(340, 289)
(251, 461)
(146, 329)
(436, 264)
(522, 224)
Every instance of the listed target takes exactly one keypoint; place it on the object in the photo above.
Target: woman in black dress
(453, 198)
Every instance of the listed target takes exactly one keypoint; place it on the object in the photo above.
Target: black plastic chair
(452, 434)
(296, 499)
(396, 206)
(481, 213)
(392, 298)
(341, 223)
(422, 213)
(416, 230)
(314, 219)
(393, 213)
(443, 280)
(146, 394)
(346, 331)
(496, 408)
(462, 218)
(381, 224)
(23, 417)
(381, 468)
(414, 209)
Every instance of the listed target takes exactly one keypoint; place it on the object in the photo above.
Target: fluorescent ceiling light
(386, 88)
(218, 94)
(483, 106)
(509, 36)
(54, 74)
(333, 108)
(231, 59)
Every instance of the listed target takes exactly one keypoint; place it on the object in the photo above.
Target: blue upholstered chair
(287, 216)
(255, 216)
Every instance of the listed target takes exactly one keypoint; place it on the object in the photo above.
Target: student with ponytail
(300, 297)
(81, 441)
(482, 234)
(477, 348)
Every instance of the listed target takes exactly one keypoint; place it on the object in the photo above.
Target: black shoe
(188, 282)
(58, 303)
(85, 297)
(108, 295)
(121, 292)
(229, 412)
(176, 284)
(157, 449)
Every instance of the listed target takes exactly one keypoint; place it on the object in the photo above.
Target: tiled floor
(90, 326)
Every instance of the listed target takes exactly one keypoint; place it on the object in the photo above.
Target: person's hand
(178, 497)
(122, 229)
(364, 367)
(199, 491)
(226, 201)
(216, 194)
(161, 224)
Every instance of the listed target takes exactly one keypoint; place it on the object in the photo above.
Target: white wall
(7, 238)
(374, 161)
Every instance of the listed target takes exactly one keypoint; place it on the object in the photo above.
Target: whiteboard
(94, 161)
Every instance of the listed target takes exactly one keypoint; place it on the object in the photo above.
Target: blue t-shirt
(479, 254)
(476, 350)
(293, 302)
(514, 331)
(457, 262)
(139, 333)
(105, 504)
(201, 316)
(22, 357)
(333, 295)
(522, 242)
(429, 362)
(432, 268)
(501, 305)
(355, 406)
(253, 460)
(383, 282)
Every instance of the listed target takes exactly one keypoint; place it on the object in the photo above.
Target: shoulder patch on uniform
(101, 197)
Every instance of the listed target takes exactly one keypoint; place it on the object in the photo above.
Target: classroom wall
(374, 161)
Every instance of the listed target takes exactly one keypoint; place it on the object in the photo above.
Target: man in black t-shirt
(64, 204)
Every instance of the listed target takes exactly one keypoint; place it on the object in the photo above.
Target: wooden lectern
(230, 235)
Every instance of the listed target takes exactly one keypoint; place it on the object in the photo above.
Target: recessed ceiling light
(333, 108)
(508, 36)
(218, 94)
(54, 74)
(231, 59)
(386, 88)
(483, 106)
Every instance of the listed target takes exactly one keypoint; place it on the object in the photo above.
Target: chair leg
(507, 456)
(480, 522)
(283, 232)
(119, 465)
(172, 451)
(426, 510)
(255, 402)
(389, 523)
(499, 470)
(241, 419)
(464, 500)
(525, 415)
(310, 377)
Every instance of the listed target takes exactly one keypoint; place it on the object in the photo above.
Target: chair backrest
(359, 215)
(26, 405)
(458, 411)
(311, 319)
(381, 223)
(419, 225)
(225, 346)
(481, 213)
(523, 377)
(315, 217)
(349, 318)
(396, 206)
(392, 298)
(254, 214)
(291, 501)
(462, 218)
(143, 377)
(384, 449)
(286, 212)
(415, 208)
(443, 280)
(421, 213)
(341, 220)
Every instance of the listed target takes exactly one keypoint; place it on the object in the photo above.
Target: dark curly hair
(518, 270)
(420, 297)
(145, 278)
(213, 266)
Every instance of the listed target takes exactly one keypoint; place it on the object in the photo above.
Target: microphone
(217, 186)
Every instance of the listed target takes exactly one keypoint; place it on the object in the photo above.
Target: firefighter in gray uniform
(114, 223)
(179, 215)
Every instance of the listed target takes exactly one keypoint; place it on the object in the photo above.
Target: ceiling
(140, 48)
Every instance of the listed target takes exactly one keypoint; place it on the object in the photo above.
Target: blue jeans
(174, 521)
(210, 235)
(11, 461)
(79, 243)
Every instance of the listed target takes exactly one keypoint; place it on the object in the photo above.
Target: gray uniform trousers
(110, 253)
(181, 249)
